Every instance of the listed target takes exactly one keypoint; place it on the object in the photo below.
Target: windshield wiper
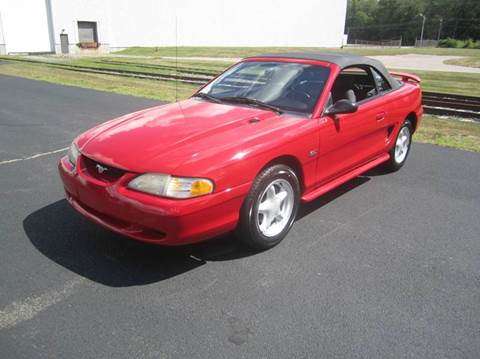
(207, 97)
(252, 101)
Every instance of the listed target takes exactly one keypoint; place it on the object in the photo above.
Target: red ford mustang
(243, 152)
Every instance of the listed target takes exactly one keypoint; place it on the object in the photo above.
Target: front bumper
(149, 218)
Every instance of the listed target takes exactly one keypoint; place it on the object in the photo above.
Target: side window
(355, 84)
(382, 84)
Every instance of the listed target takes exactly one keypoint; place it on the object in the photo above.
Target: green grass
(156, 67)
(435, 81)
(434, 130)
(148, 65)
(449, 82)
(154, 89)
(250, 51)
(467, 61)
(449, 133)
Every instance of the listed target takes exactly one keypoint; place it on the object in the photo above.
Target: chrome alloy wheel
(275, 208)
(402, 145)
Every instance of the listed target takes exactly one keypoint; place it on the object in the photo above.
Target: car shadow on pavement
(105, 257)
(377, 171)
(328, 197)
(102, 256)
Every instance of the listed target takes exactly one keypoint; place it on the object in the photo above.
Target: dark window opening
(87, 34)
(382, 84)
(355, 84)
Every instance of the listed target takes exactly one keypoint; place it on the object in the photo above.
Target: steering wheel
(304, 94)
(357, 86)
(297, 89)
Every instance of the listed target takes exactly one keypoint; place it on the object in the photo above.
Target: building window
(87, 34)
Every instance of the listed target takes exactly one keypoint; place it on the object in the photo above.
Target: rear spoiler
(406, 77)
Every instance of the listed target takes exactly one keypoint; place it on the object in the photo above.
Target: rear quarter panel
(402, 102)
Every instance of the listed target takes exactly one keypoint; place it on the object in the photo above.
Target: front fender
(242, 162)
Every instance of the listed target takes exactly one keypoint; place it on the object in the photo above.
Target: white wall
(227, 23)
(126, 23)
(66, 14)
(3, 50)
(25, 26)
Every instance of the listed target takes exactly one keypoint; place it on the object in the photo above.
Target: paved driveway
(424, 63)
(406, 62)
(387, 266)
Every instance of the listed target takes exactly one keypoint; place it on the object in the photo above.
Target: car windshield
(282, 86)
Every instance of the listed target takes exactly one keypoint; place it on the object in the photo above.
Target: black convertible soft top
(342, 60)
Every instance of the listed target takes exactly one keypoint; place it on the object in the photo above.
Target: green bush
(449, 42)
(469, 44)
(459, 44)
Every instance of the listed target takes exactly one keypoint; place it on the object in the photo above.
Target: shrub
(469, 44)
(459, 44)
(448, 42)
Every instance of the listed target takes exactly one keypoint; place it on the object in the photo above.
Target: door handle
(381, 116)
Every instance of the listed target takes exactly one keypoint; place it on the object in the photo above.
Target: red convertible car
(244, 151)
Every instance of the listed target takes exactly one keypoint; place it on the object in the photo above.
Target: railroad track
(198, 80)
(452, 105)
(433, 103)
(180, 75)
(181, 69)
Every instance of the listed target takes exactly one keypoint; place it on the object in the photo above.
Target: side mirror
(341, 106)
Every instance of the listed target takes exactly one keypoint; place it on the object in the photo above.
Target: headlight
(169, 186)
(73, 154)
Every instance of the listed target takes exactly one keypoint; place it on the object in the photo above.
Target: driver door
(350, 140)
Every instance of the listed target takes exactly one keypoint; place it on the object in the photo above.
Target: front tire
(399, 152)
(270, 208)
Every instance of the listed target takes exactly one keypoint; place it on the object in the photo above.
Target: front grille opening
(100, 171)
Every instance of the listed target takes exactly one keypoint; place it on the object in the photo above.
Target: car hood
(162, 138)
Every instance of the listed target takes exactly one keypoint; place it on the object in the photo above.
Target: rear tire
(270, 208)
(401, 149)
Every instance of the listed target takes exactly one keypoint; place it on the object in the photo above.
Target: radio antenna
(176, 58)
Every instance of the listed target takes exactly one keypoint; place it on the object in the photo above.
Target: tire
(400, 151)
(270, 208)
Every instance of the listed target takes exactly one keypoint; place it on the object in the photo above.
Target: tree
(390, 19)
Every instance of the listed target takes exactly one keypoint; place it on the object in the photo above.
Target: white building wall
(25, 26)
(3, 50)
(124, 23)
(152, 24)
(227, 23)
(67, 13)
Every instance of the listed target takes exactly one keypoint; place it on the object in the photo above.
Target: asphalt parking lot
(387, 266)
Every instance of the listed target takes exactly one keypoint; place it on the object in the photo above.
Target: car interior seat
(350, 96)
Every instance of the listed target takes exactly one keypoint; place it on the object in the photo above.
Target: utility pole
(440, 29)
(423, 28)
